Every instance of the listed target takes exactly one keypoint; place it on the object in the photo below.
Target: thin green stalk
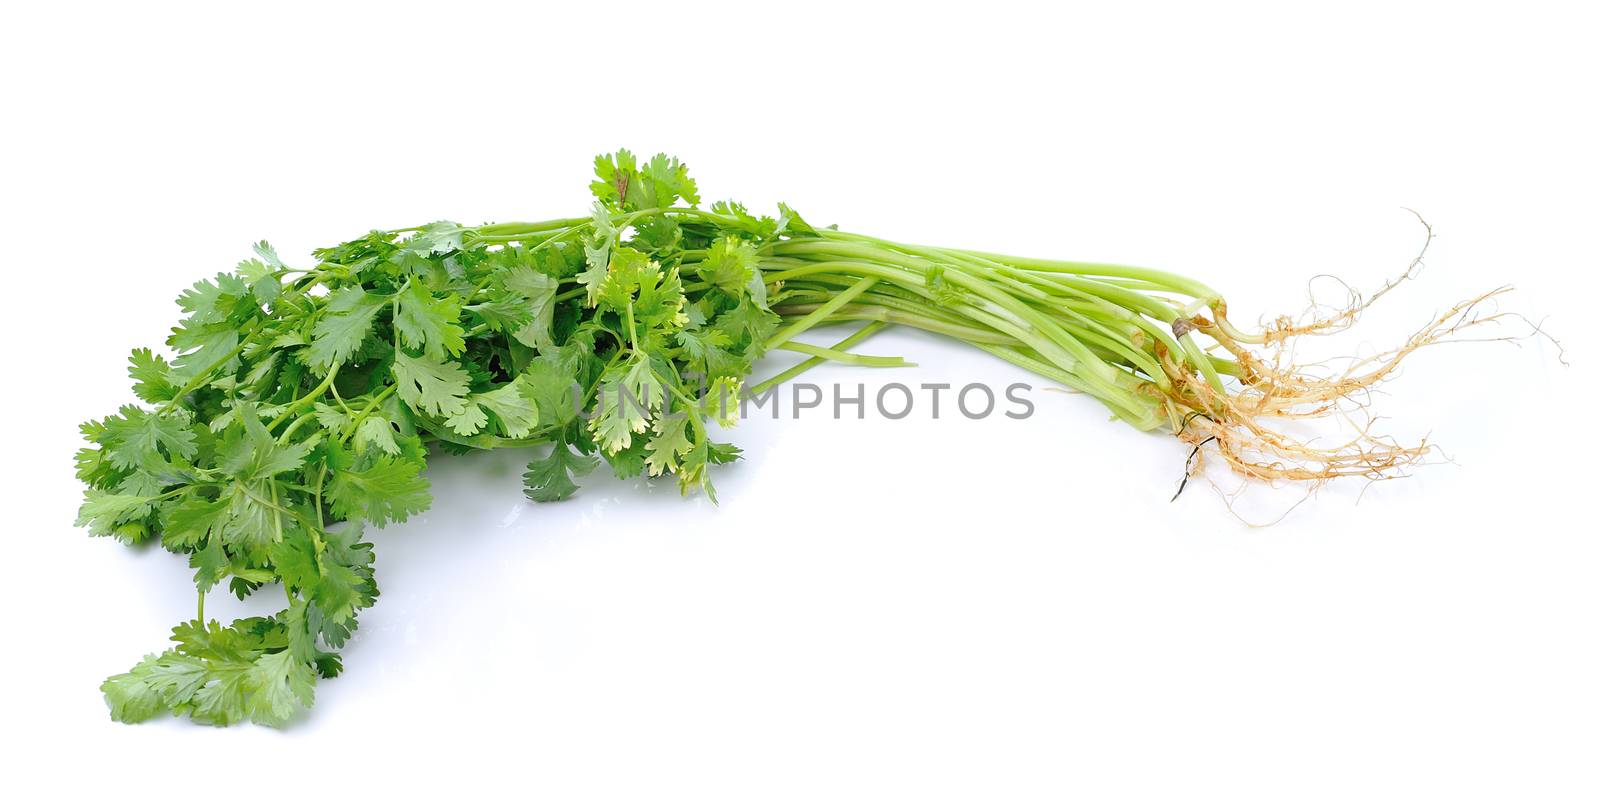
(807, 321)
(885, 314)
(1139, 412)
(362, 416)
(879, 361)
(1175, 283)
(294, 407)
(811, 363)
(1071, 354)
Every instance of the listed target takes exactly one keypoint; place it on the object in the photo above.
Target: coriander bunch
(302, 404)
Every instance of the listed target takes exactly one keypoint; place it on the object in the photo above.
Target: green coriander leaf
(139, 438)
(262, 279)
(629, 393)
(550, 478)
(722, 401)
(623, 273)
(255, 517)
(540, 291)
(692, 472)
(386, 489)
(671, 441)
(213, 301)
(469, 421)
(102, 512)
(550, 382)
(279, 686)
(210, 564)
(514, 405)
(330, 418)
(209, 348)
(722, 453)
(659, 305)
(760, 228)
(597, 253)
(265, 250)
(730, 265)
(747, 323)
(666, 180)
(223, 698)
(378, 432)
(440, 236)
(296, 561)
(438, 388)
(429, 322)
(506, 313)
(153, 378)
(250, 452)
(707, 353)
(626, 463)
(342, 330)
(191, 520)
(177, 677)
(340, 593)
(790, 223)
(617, 184)
(659, 235)
(132, 695)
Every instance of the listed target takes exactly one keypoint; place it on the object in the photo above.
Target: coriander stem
(308, 398)
(884, 314)
(350, 430)
(805, 366)
(882, 361)
(807, 321)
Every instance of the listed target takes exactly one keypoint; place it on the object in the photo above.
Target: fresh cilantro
(550, 478)
(300, 406)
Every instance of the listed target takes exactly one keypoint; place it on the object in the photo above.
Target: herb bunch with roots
(302, 403)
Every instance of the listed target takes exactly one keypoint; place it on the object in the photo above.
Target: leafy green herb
(302, 398)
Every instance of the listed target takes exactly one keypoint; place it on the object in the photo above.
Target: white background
(979, 605)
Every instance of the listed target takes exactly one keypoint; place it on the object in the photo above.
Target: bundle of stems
(1156, 348)
(303, 403)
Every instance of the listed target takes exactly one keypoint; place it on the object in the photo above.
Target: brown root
(1274, 385)
(1252, 428)
(1311, 324)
